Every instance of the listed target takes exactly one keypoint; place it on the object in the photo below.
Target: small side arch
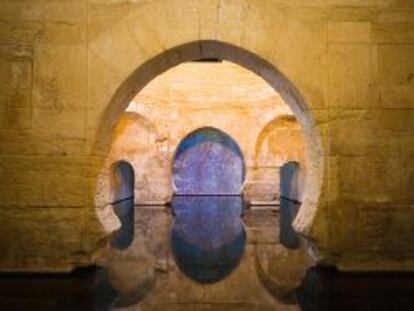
(279, 122)
(290, 195)
(122, 182)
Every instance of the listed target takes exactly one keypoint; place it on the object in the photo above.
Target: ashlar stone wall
(68, 70)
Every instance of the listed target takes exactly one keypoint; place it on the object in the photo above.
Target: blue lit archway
(208, 162)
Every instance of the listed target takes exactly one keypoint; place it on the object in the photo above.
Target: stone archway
(278, 142)
(134, 141)
(123, 179)
(216, 49)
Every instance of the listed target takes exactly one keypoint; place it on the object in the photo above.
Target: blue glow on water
(208, 237)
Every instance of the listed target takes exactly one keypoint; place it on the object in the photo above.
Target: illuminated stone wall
(197, 95)
(279, 142)
(68, 70)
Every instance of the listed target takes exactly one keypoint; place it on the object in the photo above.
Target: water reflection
(288, 210)
(250, 266)
(105, 295)
(123, 237)
(208, 238)
(322, 289)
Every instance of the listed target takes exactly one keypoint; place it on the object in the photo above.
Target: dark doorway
(289, 204)
(123, 203)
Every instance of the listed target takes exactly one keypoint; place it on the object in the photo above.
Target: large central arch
(208, 162)
(207, 49)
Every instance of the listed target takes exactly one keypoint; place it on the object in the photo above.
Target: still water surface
(207, 253)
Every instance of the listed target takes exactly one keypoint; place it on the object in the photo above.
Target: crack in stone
(218, 9)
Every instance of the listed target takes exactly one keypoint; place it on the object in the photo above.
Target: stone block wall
(68, 70)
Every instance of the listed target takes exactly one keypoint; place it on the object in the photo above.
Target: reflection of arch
(208, 161)
(282, 121)
(123, 202)
(215, 49)
(208, 237)
(281, 270)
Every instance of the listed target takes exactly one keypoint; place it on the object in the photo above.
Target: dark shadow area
(325, 289)
(106, 297)
(74, 291)
(104, 294)
(208, 237)
(322, 289)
